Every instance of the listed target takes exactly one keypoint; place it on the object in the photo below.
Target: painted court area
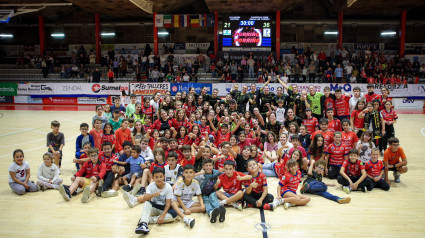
(399, 212)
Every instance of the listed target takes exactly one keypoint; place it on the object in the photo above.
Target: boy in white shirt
(185, 190)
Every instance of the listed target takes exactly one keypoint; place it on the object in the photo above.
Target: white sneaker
(281, 201)
(275, 203)
(130, 199)
(222, 202)
(237, 205)
(346, 189)
(86, 194)
(135, 189)
(110, 193)
(286, 205)
(190, 222)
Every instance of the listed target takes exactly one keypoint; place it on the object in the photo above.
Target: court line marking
(1, 156)
(422, 131)
(29, 142)
(17, 132)
(263, 220)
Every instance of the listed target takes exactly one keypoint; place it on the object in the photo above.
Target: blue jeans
(319, 188)
(210, 202)
(251, 72)
(268, 170)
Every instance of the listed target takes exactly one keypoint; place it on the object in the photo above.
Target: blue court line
(263, 221)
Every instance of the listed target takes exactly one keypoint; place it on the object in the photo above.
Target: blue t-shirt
(135, 164)
(338, 72)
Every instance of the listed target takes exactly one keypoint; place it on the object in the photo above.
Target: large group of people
(165, 150)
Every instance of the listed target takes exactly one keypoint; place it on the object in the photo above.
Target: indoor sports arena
(210, 118)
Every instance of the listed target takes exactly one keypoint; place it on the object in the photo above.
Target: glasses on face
(84, 129)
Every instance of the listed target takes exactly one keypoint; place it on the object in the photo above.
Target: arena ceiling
(128, 10)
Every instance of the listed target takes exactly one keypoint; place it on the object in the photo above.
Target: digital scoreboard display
(247, 31)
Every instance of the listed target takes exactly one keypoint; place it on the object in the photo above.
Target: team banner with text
(149, 88)
(410, 90)
(8, 89)
(72, 88)
(180, 87)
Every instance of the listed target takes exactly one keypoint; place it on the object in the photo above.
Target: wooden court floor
(399, 212)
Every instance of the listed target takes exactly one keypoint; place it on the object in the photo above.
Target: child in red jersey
(336, 153)
(147, 108)
(121, 135)
(389, 117)
(327, 135)
(108, 135)
(97, 133)
(231, 181)
(302, 162)
(313, 183)
(349, 138)
(84, 157)
(222, 135)
(256, 189)
(353, 174)
(223, 156)
(334, 124)
(357, 123)
(342, 104)
(310, 122)
(87, 177)
(329, 99)
(108, 158)
(371, 95)
(288, 185)
(375, 171)
(189, 158)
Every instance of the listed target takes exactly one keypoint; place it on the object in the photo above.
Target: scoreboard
(247, 31)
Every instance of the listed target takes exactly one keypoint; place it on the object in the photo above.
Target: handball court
(396, 213)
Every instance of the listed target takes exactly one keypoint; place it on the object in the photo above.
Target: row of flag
(200, 20)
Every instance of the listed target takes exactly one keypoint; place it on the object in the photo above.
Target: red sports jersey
(148, 111)
(336, 153)
(374, 169)
(334, 125)
(353, 169)
(154, 165)
(329, 103)
(204, 129)
(289, 182)
(381, 100)
(181, 141)
(370, 98)
(358, 123)
(389, 116)
(349, 139)
(120, 137)
(311, 124)
(259, 158)
(189, 109)
(342, 106)
(231, 185)
(185, 162)
(110, 138)
(89, 170)
(108, 161)
(280, 169)
(177, 124)
(327, 136)
(220, 162)
(261, 180)
(221, 138)
(152, 143)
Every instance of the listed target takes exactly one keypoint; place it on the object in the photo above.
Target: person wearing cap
(131, 108)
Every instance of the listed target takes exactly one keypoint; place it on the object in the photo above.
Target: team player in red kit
(310, 122)
(288, 185)
(327, 135)
(336, 153)
(371, 95)
(342, 105)
(375, 172)
(353, 174)
(87, 178)
(334, 124)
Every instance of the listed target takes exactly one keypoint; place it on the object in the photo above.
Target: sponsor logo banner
(400, 103)
(59, 101)
(72, 88)
(8, 89)
(91, 100)
(149, 88)
(27, 100)
(109, 88)
(6, 99)
(180, 87)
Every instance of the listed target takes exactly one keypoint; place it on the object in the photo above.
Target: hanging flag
(159, 20)
(176, 19)
(184, 20)
(168, 22)
(194, 20)
(202, 20)
(210, 19)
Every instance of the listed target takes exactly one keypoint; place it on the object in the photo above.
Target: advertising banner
(8, 89)
(403, 103)
(27, 100)
(6, 99)
(92, 100)
(59, 101)
(149, 88)
(72, 88)
(180, 87)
